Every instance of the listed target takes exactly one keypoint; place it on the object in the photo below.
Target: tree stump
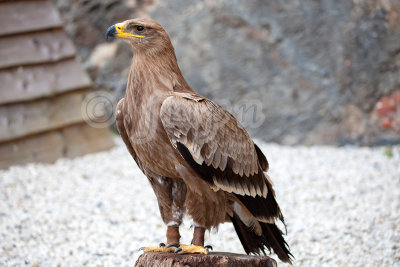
(164, 259)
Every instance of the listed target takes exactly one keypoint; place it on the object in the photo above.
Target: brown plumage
(196, 155)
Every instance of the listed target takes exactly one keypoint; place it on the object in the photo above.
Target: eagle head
(143, 34)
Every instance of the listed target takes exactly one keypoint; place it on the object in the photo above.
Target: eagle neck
(155, 73)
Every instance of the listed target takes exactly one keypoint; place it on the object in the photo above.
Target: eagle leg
(173, 237)
(197, 245)
(198, 236)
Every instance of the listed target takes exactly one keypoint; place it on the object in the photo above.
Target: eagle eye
(139, 28)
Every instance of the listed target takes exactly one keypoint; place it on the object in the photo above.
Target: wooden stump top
(164, 259)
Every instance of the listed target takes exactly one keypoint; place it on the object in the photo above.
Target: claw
(208, 248)
(175, 245)
(141, 248)
(160, 248)
(189, 249)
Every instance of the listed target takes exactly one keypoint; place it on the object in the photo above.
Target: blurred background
(320, 68)
(298, 72)
(317, 83)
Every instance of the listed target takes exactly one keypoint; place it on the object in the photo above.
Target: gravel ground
(342, 207)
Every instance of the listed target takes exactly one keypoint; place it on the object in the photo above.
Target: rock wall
(297, 72)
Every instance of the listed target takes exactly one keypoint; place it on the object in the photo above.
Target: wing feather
(215, 140)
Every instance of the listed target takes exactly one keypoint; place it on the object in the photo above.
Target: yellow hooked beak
(117, 30)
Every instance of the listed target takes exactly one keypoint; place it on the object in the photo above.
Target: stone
(310, 65)
(102, 53)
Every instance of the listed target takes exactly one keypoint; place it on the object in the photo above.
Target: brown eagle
(198, 158)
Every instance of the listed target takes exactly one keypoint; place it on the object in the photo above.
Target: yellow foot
(161, 248)
(189, 249)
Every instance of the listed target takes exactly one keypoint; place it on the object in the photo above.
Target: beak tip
(111, 31)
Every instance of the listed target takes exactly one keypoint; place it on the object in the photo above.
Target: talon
(208, 247)
(190, 249)
(160, 248)
(175, 245)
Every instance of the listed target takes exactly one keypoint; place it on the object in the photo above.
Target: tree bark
(164, 259)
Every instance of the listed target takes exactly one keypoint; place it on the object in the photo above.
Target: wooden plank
(34, 48)
(28, 118)
(30, 82)
(72, 141)
(27, 16)
(83, 139)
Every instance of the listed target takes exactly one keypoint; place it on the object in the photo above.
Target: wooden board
(21, 119)
(71, 141)
(34, 48)
(222, 259)
(85, 139)
(31, 82)
(27, 16)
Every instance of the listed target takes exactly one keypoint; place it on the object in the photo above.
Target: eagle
(197, 157)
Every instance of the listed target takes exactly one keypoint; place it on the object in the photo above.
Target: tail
(271, 238)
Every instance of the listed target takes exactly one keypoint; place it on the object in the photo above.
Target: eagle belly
(206, 207)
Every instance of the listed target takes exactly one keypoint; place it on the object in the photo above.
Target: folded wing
(220, 150)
